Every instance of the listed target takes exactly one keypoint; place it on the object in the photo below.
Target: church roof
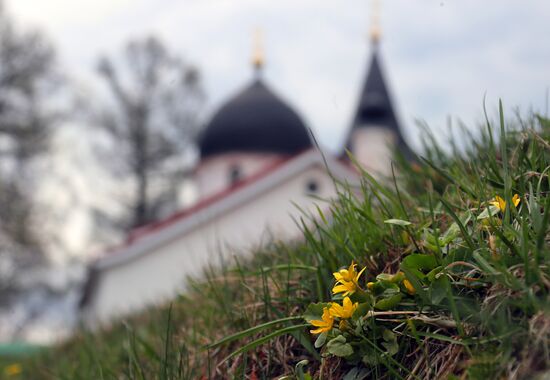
(375, 108)
(255, 120)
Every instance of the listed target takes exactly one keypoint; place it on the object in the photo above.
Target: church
(259, 172)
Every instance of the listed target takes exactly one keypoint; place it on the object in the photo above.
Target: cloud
(440, 57)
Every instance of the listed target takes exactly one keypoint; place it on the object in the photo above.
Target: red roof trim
(149, 229)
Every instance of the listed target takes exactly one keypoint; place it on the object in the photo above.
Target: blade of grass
(264, 339)
(250, 331)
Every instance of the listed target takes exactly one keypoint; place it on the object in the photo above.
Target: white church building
(258, 163)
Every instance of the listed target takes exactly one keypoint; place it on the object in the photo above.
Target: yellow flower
(346, 287)
(345, 311)
(346, 274)
(13, 370)
(500, 203)
(410, 288)
(347, 280)
(324, 324)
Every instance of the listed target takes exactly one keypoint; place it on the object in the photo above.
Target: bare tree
(28, 79)
(152, 122)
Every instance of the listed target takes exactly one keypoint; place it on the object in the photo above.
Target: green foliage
(453, 287)
(462, 261)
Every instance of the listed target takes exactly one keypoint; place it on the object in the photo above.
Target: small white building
(257, 164)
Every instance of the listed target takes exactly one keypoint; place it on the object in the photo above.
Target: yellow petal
(501, 203)
(495, 204)
(326, 315)
(318, 323)
(515, 200)
(318, 331)
(343, 275)
(345, 287)
(348, 308)
(336, 310)
(13, 369)
(338, 288)
(359, 275)
(409, 286)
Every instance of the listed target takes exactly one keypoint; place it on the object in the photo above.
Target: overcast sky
(440, 57)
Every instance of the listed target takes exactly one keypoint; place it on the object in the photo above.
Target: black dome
(256, 120)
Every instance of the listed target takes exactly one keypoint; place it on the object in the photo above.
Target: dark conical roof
(375, 107)
(255, 120)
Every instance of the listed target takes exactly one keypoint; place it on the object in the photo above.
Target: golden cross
(375, 30)
(258, 52)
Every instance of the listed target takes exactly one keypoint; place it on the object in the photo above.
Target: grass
(478, 307)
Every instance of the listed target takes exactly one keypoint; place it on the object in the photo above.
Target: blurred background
(74, 78)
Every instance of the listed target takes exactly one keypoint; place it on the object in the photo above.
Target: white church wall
(214, 174)
(158, 275)
(372, 147)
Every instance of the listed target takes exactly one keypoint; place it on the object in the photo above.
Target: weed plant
(455, 284)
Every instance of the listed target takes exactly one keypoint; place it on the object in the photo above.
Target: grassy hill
(455, 284)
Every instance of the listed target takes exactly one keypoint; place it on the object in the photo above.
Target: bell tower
(375, 131)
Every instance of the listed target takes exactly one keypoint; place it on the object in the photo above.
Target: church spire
(375, 106)
(375, 110)
(258, 59)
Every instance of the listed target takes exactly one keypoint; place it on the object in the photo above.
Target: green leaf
(431, 274)
(378, 287)
(414, 277)
(384, 289)
(384, 277)
(315, 311)
(398, 277)
(451, 234)
(390, 289)
(299, 370)
(461, 223)
(362, 309)
(371, 358)
(321, 339)
(487, 213)
(356, 373)
(361, 296)
(437, 291)
(388, 335)
(419, 262)
(392, 347)
(388, 303)
(484, 264)
(339, 347)
(398, 222)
